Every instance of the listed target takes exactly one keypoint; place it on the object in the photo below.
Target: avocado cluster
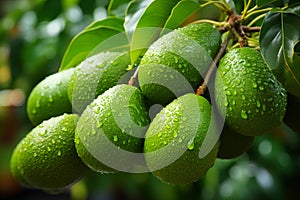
(111, 121)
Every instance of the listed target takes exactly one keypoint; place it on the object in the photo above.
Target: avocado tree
(164, 87)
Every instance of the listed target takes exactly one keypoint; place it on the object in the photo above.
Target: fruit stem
(133, 78)
(251, 29)
(212, 22)
(213, 66)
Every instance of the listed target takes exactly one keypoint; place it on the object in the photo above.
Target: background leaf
(293, 2)
(182, 11)
(86, 42)
(279, 36)
(149, 26)
(271, 3)
(117, 7)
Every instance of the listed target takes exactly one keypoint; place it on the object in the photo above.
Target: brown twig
(213, 66)
(251, 29)
(133, 77)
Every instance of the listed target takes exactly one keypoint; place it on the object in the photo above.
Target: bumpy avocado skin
(94, 76)
(184, 53)
(175, 138)
(247, 93)
(46, 158)
(49, 98)
(115, 121)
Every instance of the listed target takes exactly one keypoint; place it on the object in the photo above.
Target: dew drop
(37, 104)
(228, 93)
(190, 144)
(50, 99)
(175, 135)
(264, 107)
(226, 103)
(258, 104)
(115, 138)
(254, 85)
(244, 114)
(99, 124)
(34, 111)
(59, 153)
(261, 88)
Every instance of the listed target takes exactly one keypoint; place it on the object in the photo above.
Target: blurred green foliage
(33, 37)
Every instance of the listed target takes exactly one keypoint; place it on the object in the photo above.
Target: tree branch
(213, 66)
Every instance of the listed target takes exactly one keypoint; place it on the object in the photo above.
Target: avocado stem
(133, 78)
(213, 66)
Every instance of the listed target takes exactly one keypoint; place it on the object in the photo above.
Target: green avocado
(175, 63)
(248, 95)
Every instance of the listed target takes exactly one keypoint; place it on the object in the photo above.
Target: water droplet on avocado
(261, 88)
(34, 111)
(50, 99)
(244, 114)
(264, 107)
(190, 144)
(258, 104)
(115, 138)
(175, 135)
(99, 124)
(228, 93)
(226, 103)
(37, 104)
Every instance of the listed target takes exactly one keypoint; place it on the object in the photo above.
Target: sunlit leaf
(182, 11)
(133, 13)
(84, 43)
(149, 26)
(279, 42)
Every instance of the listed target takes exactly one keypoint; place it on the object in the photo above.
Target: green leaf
(279, 43)
(117, 7)
(86, 42)
(182, 11)
(133, 13)
(295, 10)
(272, 3)
(293, 2)
(110, 22)
(149, 26)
